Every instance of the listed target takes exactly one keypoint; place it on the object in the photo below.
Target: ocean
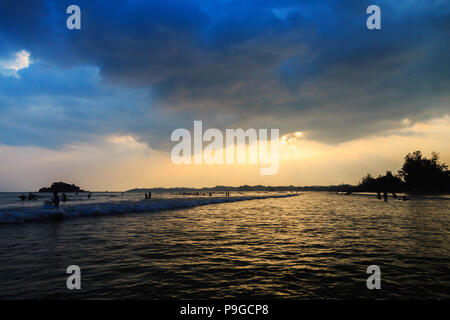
(312, 245)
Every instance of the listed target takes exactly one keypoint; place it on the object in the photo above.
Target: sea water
(310, 246)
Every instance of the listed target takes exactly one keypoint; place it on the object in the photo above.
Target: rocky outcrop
(62, 187)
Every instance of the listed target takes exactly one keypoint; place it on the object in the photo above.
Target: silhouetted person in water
(378, 196)
(55, 199)
(150, 195)
(210, 194)
(22, 197)
(64, 197)
(385, 196)
(89, 195)
(146, 196)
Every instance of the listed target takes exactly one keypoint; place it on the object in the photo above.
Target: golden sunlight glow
(406, 122)
(121, 162)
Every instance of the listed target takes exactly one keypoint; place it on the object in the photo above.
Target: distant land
(340, 188)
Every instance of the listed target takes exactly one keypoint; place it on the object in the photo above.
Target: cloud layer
(145, 68)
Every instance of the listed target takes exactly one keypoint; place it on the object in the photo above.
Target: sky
(97, 106)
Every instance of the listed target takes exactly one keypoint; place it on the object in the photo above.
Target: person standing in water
(55, 199)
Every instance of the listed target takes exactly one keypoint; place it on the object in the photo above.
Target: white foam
(27, 214)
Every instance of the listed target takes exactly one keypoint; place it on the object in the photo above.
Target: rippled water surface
(315, 245)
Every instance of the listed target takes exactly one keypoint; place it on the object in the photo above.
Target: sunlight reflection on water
(316, 245)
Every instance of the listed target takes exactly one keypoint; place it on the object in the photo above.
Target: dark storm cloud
(296, 65)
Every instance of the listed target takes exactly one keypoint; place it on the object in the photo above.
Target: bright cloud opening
(10, 67)
(291, 137)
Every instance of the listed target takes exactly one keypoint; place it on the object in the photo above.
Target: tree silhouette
(417, 175)
(386, 183)
(423, 175)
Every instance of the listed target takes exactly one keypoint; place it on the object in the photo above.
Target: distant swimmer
(31, 196)
(22, 197)
(64, 197)
(55, 200)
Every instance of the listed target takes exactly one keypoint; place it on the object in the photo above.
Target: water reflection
(317, 245)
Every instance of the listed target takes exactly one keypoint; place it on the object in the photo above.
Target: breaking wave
(28, 214)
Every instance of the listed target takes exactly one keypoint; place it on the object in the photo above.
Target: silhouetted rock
(62, 187)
